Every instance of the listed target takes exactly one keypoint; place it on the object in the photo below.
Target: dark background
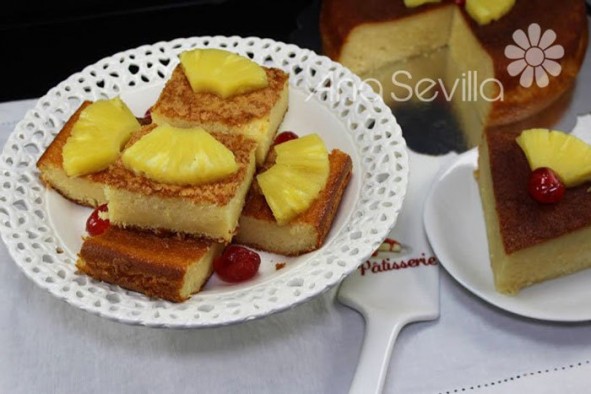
(44, 42)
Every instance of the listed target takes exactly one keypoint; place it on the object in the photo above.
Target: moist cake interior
(164, 266)
(429, 45)
(441, 42)
(210, 209)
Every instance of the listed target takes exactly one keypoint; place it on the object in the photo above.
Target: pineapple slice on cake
(416, 3)
(173, 155)
(296, 179)
(568, 156)
(311, 148)
(98, 136)
(221, 72)
(486, 11)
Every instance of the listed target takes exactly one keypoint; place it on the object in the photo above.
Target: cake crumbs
(59, 250)
(279, 266)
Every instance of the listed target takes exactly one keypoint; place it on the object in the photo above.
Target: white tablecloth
(47, 346)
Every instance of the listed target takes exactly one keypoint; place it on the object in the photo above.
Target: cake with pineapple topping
(225, 93)
(74, 163)
(536, 229)
(173, 183)
(163, 266)
(463, 44)
(290, 213)
(178, 180)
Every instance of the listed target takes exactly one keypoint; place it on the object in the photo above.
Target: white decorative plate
(455, 226)
(43, 231)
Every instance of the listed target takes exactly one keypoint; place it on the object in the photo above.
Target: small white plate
(455, 226)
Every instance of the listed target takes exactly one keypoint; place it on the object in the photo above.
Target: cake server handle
(380, 334)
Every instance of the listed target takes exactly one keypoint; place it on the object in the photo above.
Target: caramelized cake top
(523, 222)
(178, 101)
(219, 192)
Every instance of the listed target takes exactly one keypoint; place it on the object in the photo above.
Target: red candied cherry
(461, 3)
(237, 264)
(147, 119)
(545, 186)
(96, 225)
(284, 137)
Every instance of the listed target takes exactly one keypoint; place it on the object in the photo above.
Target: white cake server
(407, 288)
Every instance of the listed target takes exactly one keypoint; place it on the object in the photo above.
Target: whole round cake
(493, 71)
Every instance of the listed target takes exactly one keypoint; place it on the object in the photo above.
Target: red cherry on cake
(284, 137)
(96, 225)
(237, 264)
(147, 119)
(545, 186)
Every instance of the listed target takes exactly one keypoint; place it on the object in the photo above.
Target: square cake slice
(208, 210)
(162, 266)
(307, 232)
(85, 190)
(256, 114)
(528, 242)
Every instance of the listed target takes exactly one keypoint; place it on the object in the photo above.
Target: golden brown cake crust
(141, 261)
(53, 158)
(523, 222)
(53, 154)
(178, 101)
(219, 192)
(567, 18)
(321, 213)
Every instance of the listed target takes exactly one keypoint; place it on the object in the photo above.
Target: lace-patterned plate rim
(376, 146)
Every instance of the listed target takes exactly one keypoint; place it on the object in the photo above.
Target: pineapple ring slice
(568, 156)
(296, 179)
(221, 72)
(173, 155)
(98, 136)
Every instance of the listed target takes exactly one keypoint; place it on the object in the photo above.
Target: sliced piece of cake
(529, 242)
(472, 48)
(73, 164)
(163, 185)
(307, 231)
(208, 91)
(162, 266)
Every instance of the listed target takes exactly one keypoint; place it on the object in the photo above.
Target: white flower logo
(535, 56)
